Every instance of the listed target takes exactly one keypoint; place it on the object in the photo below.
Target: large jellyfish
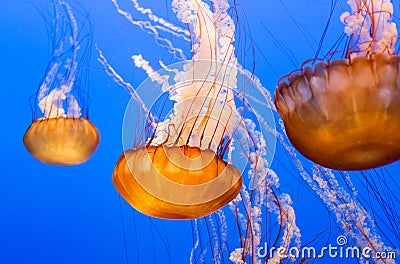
(195, 114)
(180, 172)
(61, 132)
(344, 114)
(364, 204)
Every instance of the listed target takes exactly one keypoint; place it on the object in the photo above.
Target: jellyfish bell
(62, 140)
(61, 132)
(175, 182)
(343, 114)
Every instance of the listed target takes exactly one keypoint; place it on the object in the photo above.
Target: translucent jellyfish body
(344, 115)
(61, 141)
(175, 182)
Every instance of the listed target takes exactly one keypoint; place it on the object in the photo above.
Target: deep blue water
(52, 214)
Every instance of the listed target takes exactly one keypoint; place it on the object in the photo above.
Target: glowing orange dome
(62, 140)
(175, 182)
(344, 115)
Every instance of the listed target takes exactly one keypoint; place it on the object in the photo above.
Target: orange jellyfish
(181, 166)
(184, 178)
(344, 114)
(179, 171)
(61, 132)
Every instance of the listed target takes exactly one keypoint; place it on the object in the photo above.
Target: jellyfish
(61, 132)
(198, 122)
(187, 148)
(354, 93)
(343, 114)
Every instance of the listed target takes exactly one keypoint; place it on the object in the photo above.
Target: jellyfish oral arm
(52, 104)
(153, 29)
(54, 96)
(370, 26)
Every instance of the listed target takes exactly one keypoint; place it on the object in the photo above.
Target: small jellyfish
(61, 132)
(344, 114)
